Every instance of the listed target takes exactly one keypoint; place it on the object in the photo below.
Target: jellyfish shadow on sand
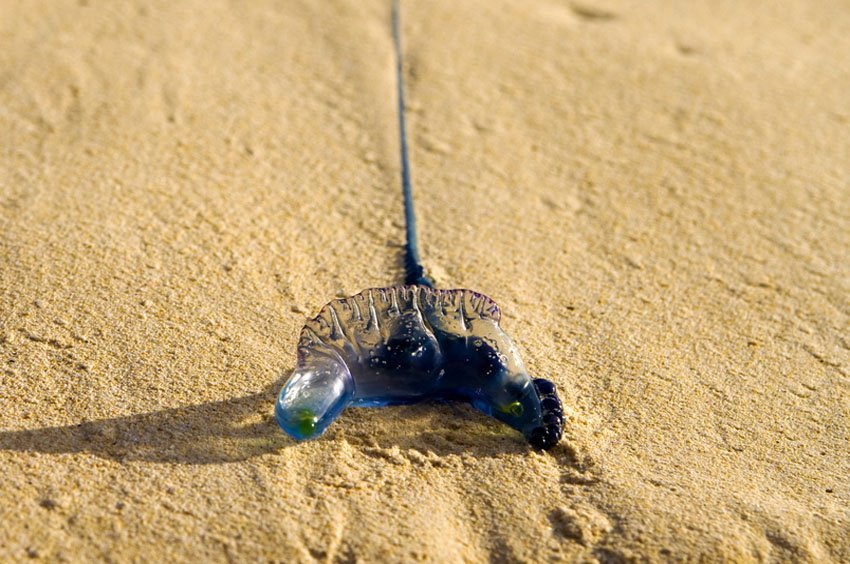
(206, 433)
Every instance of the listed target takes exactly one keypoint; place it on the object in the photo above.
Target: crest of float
(410, 343)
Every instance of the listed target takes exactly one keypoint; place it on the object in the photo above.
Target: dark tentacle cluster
(549, 433)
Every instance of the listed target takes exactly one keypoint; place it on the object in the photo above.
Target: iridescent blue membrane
(407, 344)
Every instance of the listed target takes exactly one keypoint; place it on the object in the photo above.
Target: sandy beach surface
(656, 193)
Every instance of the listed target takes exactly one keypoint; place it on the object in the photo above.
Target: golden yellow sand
(657, 194)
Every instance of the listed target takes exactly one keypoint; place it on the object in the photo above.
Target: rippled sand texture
(655, 193)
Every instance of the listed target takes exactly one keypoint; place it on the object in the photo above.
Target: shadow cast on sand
(242, 428)
(207, 433)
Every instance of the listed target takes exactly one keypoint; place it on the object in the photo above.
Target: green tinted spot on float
(301, 426)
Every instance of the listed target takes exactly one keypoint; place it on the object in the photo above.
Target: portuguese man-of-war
(410, 343)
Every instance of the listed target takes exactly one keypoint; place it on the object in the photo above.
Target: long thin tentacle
(414, 273)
